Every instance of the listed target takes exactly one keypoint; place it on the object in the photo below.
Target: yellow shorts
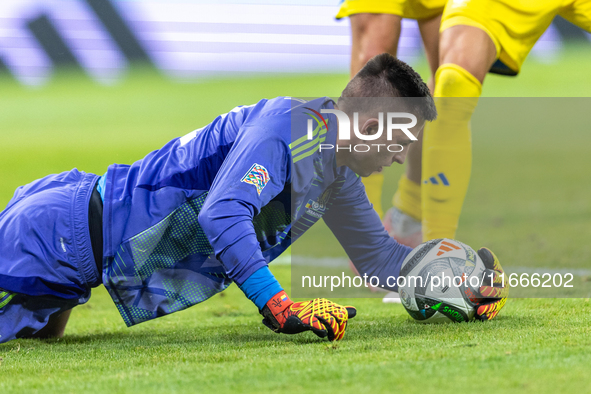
(514, 25)
(411, 9)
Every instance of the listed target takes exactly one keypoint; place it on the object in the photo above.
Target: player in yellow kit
(375, 29)
(477, 36)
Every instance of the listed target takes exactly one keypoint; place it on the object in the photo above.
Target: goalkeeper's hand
(323, 317)
(494, 295)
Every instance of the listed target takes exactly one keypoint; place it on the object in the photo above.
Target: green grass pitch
(530, 203)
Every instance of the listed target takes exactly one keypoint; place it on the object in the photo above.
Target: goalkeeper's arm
(253, 173)
(323, 317)
(282, 315)
(361, 233)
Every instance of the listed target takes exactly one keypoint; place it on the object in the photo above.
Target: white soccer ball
(439, 281)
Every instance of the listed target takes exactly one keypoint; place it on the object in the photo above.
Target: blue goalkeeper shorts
(46, 260)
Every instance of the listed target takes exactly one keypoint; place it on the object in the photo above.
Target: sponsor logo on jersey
(317, 208)
(257, 176)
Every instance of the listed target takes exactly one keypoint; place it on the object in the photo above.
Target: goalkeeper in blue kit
(207, 209)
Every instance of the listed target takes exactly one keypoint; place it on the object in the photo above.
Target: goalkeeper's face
(370, 156)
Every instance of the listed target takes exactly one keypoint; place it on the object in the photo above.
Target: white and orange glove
(323, 317)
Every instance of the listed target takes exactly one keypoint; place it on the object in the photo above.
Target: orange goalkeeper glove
(323, 317)
(494, 292)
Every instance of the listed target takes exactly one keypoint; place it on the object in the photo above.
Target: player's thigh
(372, 34)
(468, 47)
(514, 26)
(579, 14)
(375, 33)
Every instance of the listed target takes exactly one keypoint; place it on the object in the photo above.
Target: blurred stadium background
(195, 40)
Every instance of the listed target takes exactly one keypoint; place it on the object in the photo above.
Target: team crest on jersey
(257, 176)
(317, 208)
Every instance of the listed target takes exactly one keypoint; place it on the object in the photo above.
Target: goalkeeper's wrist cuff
(273, 311)
(260, 287)
(278, 303)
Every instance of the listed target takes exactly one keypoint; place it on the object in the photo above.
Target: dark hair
(386, 76)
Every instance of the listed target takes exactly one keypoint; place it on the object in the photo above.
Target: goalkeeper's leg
(56, 326)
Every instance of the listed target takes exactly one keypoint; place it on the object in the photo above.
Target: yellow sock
(373, 189)
(408, 198)
(447, 151)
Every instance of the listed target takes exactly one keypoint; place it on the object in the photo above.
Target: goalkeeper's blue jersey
(221, 202)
